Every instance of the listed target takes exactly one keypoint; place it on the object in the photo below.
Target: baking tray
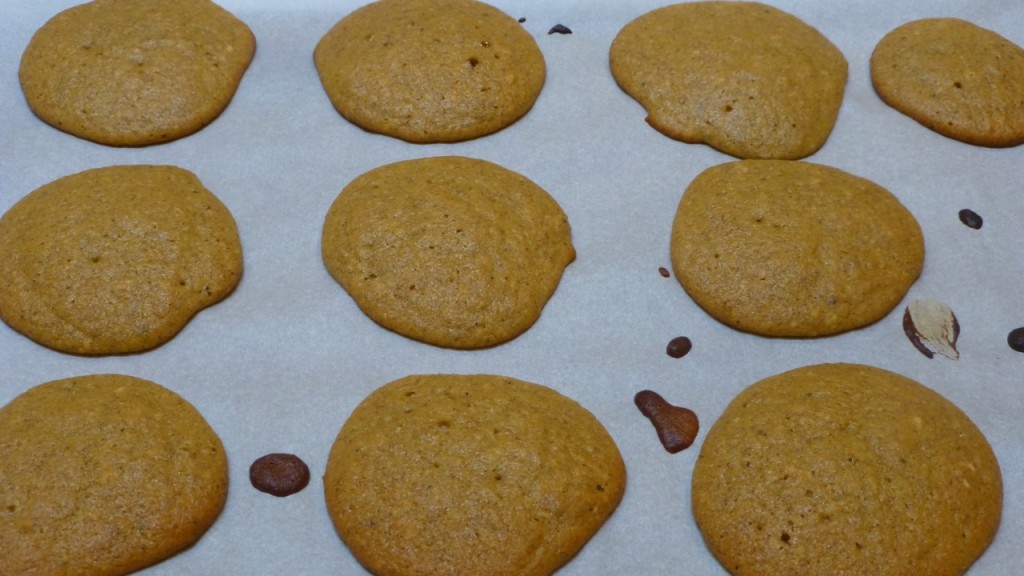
(279, 365)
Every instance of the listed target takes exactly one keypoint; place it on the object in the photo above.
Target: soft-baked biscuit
(477, 474)
(959, 79)
(115, 260)
(135, 72)
(745, 78)
(430, 70)
(104, 475)
(793, 249)
(452, 251)
(845, 469)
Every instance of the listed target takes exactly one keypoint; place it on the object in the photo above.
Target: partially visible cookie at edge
(104, 474)
(115, 260)
(452, 251)
(470, 474)
(845, 469)
(793, 249)
(745, 78)
(954, 77)
(430, 70)
(135, 72)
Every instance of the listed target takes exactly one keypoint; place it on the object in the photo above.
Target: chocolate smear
(932, 328)
(970, 218)
(559, 29)
(676, 426)
(1016, 339)
(279, 474)
(679, 346)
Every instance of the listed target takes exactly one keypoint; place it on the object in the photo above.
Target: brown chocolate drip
(915, 338)
(676, 426)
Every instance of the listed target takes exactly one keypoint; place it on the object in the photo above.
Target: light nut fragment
(932, 328)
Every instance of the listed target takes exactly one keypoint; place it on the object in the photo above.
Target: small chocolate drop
(970, 218)
(1016, 339)
(521, 20)
(559, 29)
(279, 474)
(679, 346)
(664, 272)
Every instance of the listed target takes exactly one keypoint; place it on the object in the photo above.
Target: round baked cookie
(430, 70)
(477, 474)
(745, 78)
(115, 260)
(958, 79)
(793, 249)
(135, 72)
(845, 469)
(451, 251)
(104, 475)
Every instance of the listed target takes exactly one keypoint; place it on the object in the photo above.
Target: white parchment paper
(280, 364)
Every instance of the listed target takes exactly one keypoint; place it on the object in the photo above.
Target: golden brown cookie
(845, 469)
(452, 474)
(793, 249)
(962, 81)
(430, 70)
(135, 72)
(452, 251)
(115, 260)
(745, 78)
(104, 475)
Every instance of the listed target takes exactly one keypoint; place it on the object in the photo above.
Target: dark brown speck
(1016, 339)
(970, 218)
(559, 29)
(679, 346)
(664, 272)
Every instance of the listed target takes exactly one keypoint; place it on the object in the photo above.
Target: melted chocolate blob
(679, 346)
(676, 426)
(279, 474)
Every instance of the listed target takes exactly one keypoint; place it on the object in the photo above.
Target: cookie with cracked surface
(451, 251)
(744, 78)
(429, 70)
(954, 77)
(115, 260)
(793, 249)
(104, 474)
(845, 469)
(135, 72)
(470, 474)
